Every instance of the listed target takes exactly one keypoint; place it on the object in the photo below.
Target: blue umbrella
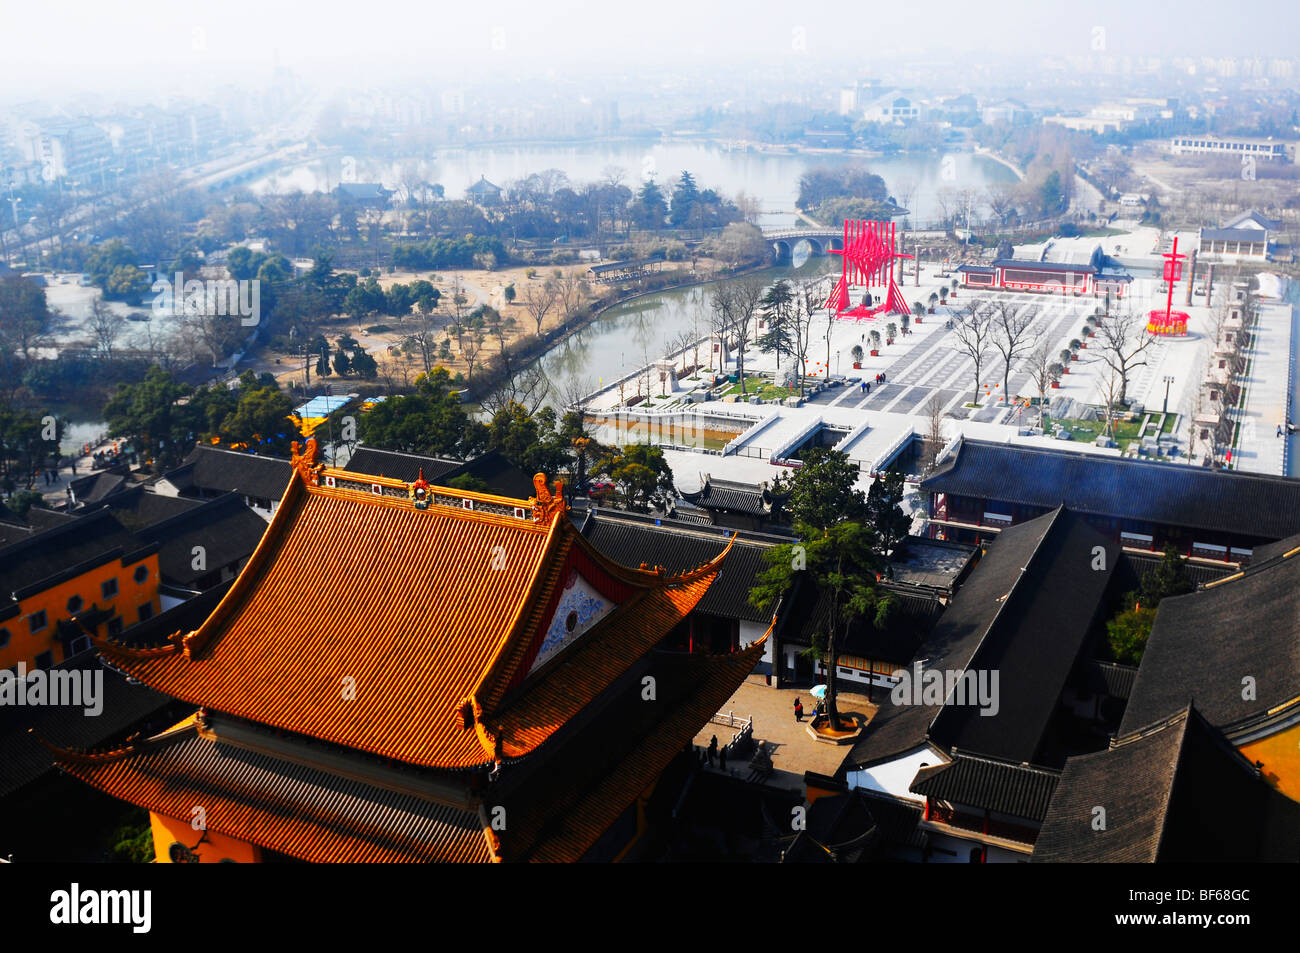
(818, 691)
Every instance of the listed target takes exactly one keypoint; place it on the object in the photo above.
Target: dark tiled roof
(1015, 789)
(22, 756)
(731, 497)
(1271, 551)
(501, 475)
(1178, 792)
(97, 486)
(1008, 618)
(1203, 644)
(212, 469)
(632, 540)
(227, 530)
(137, 508)
(1234, 234)
(1033, 645)
(1245, 504)
(77, 545)
(1108, 678)
(400, 466)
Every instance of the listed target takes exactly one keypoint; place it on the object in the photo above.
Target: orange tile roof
(563, 809)
(279, 805)
(366, 620)
(594, 663)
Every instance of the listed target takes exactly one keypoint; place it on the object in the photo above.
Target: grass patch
(1171, 421)
(1125, 432)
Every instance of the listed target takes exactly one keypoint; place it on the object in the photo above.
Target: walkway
(793, 749)
(1269, 401)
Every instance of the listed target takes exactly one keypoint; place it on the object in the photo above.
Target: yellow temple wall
(214, 849)
(24, 645)
(1280, 754)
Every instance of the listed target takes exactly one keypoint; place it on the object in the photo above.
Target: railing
(730, 720)
(884, 458)
(734, 444)
(804, 433)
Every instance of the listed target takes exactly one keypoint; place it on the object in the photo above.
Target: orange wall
(1280, 754)
(25, 645)
(214, 848)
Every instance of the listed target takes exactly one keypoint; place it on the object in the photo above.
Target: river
(628, 336)
(771, 177)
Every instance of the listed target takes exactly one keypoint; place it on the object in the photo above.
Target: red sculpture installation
(1169, 323)
(868, 261)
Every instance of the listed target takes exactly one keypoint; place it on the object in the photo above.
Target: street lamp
(1168, 380)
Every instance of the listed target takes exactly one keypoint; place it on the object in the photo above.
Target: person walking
(713, 749)
(798, 710)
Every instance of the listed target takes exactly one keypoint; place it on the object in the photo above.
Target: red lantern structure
(868, 261)
(1169, 323)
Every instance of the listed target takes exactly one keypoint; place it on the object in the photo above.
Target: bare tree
(974, 331)
(808, 301)
(1011, 337)
(1040, 371)
(748, 298)
(538, 300)
(934, 432)
(529, 389)
(471, 347)
(570, 293)
(1124, 339)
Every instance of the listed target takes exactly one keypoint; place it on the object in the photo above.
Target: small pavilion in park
(408, 672)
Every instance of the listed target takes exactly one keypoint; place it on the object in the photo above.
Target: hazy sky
(97, 45)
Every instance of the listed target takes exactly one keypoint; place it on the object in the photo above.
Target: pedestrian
(798, 710)
(867, 386)
(722, 759)
(713, 749)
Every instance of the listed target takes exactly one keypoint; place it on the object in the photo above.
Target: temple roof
(1176, 791)
(399, 626)
(253, 796)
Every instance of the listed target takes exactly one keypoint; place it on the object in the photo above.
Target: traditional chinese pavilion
(406, 672)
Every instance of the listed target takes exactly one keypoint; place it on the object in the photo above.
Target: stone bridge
(819, 240)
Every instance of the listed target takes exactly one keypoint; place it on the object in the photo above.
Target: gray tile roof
(1245, 504)
(1205, 643)
(1015, 789)
(1177, 792)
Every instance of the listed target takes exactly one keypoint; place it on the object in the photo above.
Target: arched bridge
(819, 240)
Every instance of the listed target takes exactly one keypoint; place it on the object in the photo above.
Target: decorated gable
(579, 607)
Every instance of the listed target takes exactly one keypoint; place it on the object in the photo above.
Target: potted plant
(1066, 356)
(875, 343)
(905, 319)
(891, 332)
(954, 287)
(918, 309)
(857, 357)
(933, 298)
(1075, 344)
(1056, 370)
(943, 295)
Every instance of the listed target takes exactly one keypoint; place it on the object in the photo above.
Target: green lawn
(1089, 430)
(760, 386)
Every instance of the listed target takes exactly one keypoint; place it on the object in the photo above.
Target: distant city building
(1231, 145)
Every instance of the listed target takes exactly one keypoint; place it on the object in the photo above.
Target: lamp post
(1168, 380)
